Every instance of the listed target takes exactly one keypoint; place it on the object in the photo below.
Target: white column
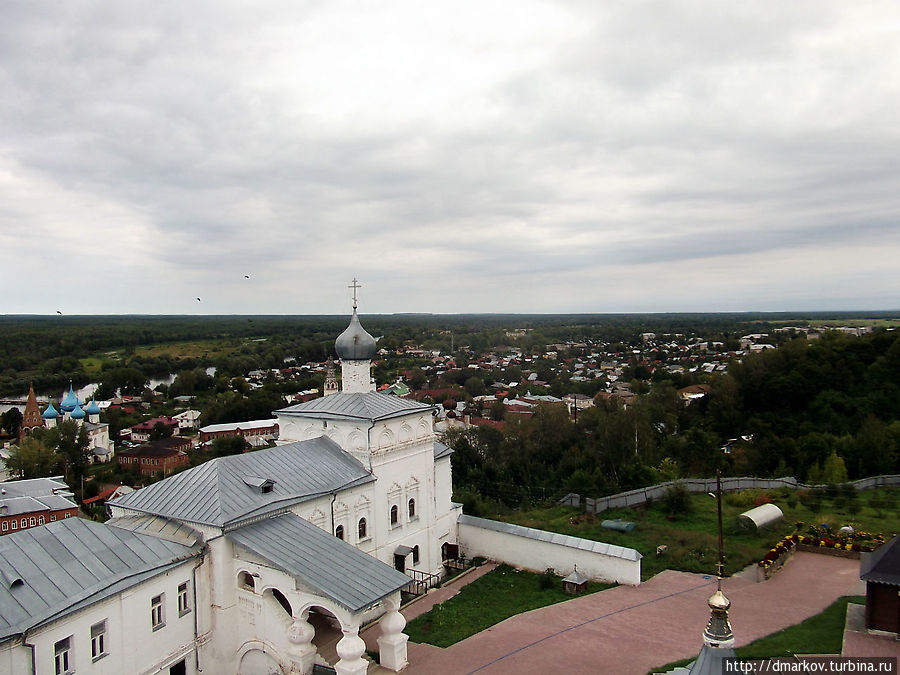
(392, 643)
(302, 651)
(351, 648)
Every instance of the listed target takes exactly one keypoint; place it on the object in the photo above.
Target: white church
(231, 566)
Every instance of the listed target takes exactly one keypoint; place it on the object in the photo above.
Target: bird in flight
(198, 299)
(246, 276)
(58, 312)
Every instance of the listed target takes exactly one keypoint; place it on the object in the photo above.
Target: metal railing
(421, 581)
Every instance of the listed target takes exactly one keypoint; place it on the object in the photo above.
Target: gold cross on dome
(354, 286)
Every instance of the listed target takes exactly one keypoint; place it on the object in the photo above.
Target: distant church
(70, 408)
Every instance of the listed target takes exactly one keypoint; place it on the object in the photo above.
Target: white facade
(130, 643)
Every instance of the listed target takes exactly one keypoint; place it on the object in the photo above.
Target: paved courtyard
(633, 629)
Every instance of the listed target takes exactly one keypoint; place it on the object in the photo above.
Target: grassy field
(195, 349)
(820, 634)
(691, 537)
(498, 595)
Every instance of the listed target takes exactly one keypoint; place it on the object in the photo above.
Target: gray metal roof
(883, 564)
(35, 487)
(441, 450)
(18, 505)
(161, 528)
(370, 406)
(50, 571)
(553, 538)
(329, 565)
(216, 492)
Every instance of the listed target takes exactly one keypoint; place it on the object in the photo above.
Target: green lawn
(820, 634)
(691, 538)
(498, 595)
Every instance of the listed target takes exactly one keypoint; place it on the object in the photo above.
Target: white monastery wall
(538, 555)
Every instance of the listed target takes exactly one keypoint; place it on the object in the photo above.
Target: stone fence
(649, 494)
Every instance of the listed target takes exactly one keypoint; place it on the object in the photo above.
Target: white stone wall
(538, 555)
(132, 645)
(356, 377)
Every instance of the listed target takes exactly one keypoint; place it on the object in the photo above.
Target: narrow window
(52, 517)
(98, 640)
(339, 532)
(415, 555)
(32, 521)
(15, 524)
(412, 509)
(5, 526)
(157, 613)
(247, 581)
(362, 528)
(184, 602)
(67, 514)
(394, 514)
(40, 520)
(24, 523)
(64, 659)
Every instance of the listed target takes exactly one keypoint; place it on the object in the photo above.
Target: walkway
(633, 629)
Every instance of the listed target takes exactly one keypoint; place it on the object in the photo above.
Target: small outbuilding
(575, 583)
(763, 515)
(881, 572)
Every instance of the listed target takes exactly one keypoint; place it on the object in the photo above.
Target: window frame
(411, 508)
(98, 641)
(362, 529)
(63, 656)
(395, 515)
(184, 598)
(158, 611)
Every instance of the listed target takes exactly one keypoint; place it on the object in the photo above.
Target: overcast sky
(455, 157)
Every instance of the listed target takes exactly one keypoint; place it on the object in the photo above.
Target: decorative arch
(311, 432)
(423, 430)
(406, 433)
(356, 441)
(317, 518)
(336, 436)
(385, 439)
(259, 658)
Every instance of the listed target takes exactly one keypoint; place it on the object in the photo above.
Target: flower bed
(817, 539)
(777, 556)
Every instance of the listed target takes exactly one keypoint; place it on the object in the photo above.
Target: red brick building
(254, 431)
(31, 503)
(163, 456)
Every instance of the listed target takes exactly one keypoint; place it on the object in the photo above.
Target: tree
(11, 421)
(228, 445)
(474, 386)
(71, 442)
(834, 471)
(160, 430)
(33, 458)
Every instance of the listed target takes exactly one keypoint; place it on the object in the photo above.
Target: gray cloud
(470, 160)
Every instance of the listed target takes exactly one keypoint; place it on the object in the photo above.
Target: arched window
(339, 532)
(416, 554)
(395, 514)
(247, 582)
(412, 509)
(362, 528)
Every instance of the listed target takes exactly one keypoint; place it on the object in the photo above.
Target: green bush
(677, 500)
(547, 579)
